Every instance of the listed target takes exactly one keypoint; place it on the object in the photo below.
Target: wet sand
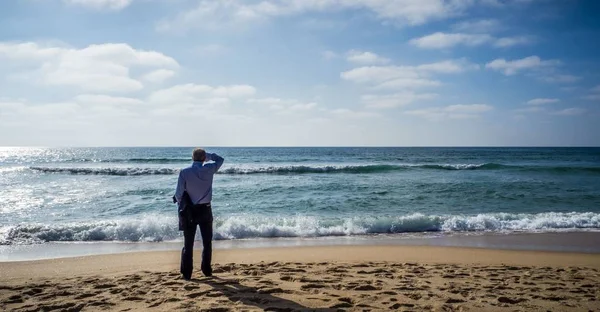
(581, 242)
(324, 278)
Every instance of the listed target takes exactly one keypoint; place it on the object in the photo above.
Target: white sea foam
(295, 169)
(117, 171)
(11, 169)
(159, 228)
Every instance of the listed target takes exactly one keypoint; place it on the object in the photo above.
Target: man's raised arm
(217, 159)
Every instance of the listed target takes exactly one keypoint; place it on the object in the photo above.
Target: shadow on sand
(251, 296)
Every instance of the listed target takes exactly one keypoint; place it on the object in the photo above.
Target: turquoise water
(124, 194)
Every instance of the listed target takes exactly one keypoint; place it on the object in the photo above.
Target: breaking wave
(108, 171)
(160, 228)
(288, 169)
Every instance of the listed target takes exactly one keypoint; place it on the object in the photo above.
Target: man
(197, 181)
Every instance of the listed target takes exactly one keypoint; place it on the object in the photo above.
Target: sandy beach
(405, 278)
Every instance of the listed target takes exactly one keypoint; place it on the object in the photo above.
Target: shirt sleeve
(180, 187)
(218, 161)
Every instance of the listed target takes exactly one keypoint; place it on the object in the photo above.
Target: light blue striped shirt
(198, 178)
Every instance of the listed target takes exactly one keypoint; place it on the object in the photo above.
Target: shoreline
(165, 260)
(317, 278)
(579, 242)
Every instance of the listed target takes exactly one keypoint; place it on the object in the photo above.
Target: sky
(299, 73)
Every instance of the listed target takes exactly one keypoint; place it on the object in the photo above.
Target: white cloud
(568, 89)
(379, 74)
(537, 107)
(459, 111)
(235, 91)
(559, 78)
(211, 49)
(543, 70)
(365, 58)
(507, 3)
(272, 101)
(440, 40)
(101, 4)
(351, 114)
(573, 111)
(506, 42)
(468, 108)
(9, 107)
(407, 83)
(194, 95)
(375, 74)
(478, 26)
(100, 99)
(48, 111)
(592, 97)
(328, 55)
(531, 109)
(284, 105)
(158, 76)
(541, 101)
(219, 14)
(404, 79)
(97, 68)
(395, 100)
(595, 94)
(449, 66)
(303, 106)
(54, 109)
(513, 67)
(428, 113)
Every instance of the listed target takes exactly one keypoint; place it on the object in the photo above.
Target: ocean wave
(313, 169)
(159, 228)
(291, 169)
(488, 166)
(11, 169)
(143, 160)
(107, 171)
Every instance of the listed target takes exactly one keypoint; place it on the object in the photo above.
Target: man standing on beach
(197, 181)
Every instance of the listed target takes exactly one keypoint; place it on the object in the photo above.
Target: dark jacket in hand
(184, 210)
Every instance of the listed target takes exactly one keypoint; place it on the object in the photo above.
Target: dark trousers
(201, 216)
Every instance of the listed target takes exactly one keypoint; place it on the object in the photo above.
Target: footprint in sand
(14, 299)
(86, 295)
(100, 303)
(133, 298)
(197, 294)
(511, 300)
(341, 305)
(190, 287)
(275, 290)
(397, 306)
(104, 286)
(312, 286)
(366, 288)
(221, 309)
(33, 292)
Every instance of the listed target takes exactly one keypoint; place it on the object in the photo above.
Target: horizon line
(307, 146)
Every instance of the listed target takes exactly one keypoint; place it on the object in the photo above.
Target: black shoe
(207, 274)
(187, 277)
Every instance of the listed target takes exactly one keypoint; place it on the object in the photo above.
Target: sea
(98, 197)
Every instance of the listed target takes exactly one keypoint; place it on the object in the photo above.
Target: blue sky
(299, 72)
